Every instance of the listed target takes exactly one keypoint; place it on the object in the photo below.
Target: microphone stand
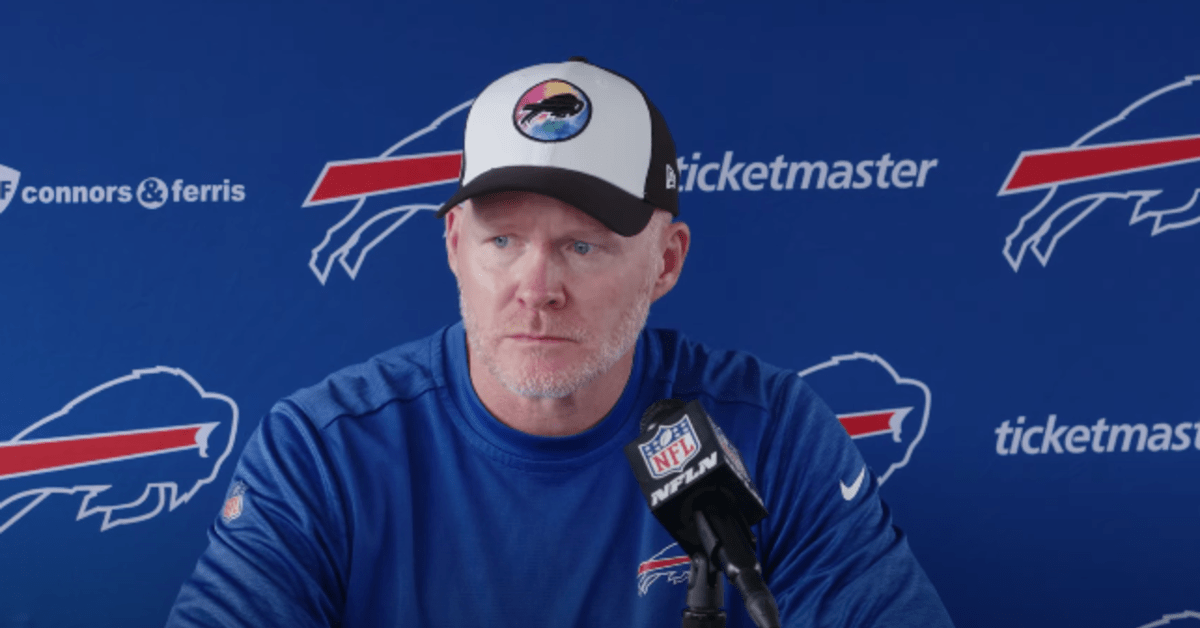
(724, 539)
(705, 595)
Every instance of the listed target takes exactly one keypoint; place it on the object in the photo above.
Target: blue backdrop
(971, 228)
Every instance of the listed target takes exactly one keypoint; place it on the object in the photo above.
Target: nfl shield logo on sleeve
(672, 447)
(235, 503)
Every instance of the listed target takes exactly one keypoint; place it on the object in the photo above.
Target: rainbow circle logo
(552, 111)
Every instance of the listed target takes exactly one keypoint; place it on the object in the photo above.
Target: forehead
(531, 210)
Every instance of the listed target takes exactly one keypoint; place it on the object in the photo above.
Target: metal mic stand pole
(705, 595)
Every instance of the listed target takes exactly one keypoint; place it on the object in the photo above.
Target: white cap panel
(614, 146)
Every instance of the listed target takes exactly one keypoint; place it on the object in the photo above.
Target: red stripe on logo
(651, 565)
(48, 455)
(867, 424)
(343, 181)
(1045, 168)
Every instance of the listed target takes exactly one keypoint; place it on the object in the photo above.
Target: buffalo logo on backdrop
(670, 562)
(884, 413)
(1186, 619)
(127, 449)
(1141, 163)
(552, 111)
(372, 219)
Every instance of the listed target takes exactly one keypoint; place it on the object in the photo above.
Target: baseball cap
(574, 131)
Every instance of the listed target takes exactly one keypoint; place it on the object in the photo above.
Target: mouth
(535, 338)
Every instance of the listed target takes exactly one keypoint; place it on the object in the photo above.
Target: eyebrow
(503, 223)
(600, 233)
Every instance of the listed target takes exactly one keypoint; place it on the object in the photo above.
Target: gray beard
(545, 383)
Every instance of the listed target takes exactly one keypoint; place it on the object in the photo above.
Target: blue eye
(583, 248)
(500, 241)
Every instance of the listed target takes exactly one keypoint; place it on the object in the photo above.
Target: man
(477, 477)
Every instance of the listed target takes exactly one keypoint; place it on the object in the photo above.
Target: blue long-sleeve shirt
(387, 495)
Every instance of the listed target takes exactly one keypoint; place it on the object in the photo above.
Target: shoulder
(726, 375)
(400, 374)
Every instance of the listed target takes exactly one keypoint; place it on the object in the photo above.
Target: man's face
(550, 297)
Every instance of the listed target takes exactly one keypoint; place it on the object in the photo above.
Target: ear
(454, 220)
(676, 239)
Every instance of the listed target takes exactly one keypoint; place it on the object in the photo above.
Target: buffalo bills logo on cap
(552, 111)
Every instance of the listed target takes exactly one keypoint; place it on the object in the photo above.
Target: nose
(540, 277)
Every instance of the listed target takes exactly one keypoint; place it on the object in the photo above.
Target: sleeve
(276, 553)
(832, 556)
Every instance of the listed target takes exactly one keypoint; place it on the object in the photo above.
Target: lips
(539, 338)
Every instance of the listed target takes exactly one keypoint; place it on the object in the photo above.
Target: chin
(541, 367)
(539, 377)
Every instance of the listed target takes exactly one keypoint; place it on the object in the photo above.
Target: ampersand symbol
(153, 193)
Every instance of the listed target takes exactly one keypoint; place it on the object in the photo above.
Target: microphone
(699, 490)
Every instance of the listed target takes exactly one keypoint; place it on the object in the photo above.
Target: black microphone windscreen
(683, 462)
(699, 489)
(660, 410)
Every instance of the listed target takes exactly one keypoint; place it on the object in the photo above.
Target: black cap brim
(615, 208)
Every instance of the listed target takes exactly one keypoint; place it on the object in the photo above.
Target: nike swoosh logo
(848, 492)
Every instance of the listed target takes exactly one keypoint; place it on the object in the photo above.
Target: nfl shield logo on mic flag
(671, 448)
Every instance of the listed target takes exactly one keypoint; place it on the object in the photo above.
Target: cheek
(610, 295)
(484, 280)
